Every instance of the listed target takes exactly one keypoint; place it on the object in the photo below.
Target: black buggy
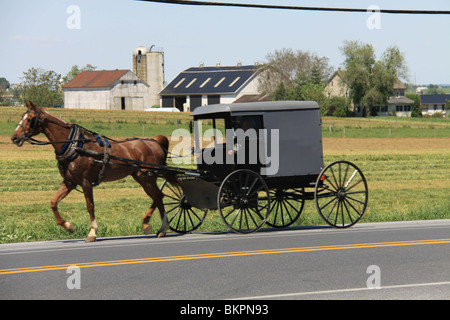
(262, 161)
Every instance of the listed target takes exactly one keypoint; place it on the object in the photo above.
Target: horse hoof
(147, 228)
(69, 227)
(90, 239)
(160, 234)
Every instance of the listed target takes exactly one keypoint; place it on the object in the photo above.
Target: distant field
(408, 176)
(135, 123)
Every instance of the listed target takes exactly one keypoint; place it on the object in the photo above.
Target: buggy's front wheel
(183, 217)
(286, 205)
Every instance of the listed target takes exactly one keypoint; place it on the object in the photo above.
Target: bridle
(35, 124)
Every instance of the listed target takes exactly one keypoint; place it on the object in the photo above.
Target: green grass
(408, 186)
(401, 187)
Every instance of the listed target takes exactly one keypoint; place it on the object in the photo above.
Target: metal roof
(96, 79)
(400, 100)
(210, 80)
(255, 107)
(434, 98)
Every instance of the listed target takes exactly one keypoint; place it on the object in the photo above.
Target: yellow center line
(223, 255)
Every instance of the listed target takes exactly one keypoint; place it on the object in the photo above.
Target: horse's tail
(171, 177)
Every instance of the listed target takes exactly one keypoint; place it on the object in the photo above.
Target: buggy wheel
(341, 194)
(243, 201)
(286, 205)
(183, 217)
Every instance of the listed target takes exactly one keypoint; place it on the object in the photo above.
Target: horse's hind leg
(146, 219)
(63, 191)
(151, 189)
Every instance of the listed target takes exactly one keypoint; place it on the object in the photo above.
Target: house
(434, 103)
(398, 104)
(198, 86)
(106, 89)
(337, 86)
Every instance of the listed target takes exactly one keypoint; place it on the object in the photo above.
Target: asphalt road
(407, 260)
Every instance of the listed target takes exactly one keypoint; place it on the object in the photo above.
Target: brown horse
(84, 160)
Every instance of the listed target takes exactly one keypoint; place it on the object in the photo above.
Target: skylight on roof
(176, 86)
(190, 83)
(204, 83)
(218, 83)
(235, 80)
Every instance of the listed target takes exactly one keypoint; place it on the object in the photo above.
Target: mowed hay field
(408, 179)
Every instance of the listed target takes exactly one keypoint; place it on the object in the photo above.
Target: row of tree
(287, 75)
(301, 75)
(43, 87)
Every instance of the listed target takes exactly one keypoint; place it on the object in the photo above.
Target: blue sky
(35, 34)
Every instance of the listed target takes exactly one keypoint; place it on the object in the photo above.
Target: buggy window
(247, 122)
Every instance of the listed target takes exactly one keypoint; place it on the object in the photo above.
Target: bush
(337, 107)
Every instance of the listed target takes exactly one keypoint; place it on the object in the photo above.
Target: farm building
(397, 104)
(202, 85)
(434, 103)
(148, 64)
(106, 89)
(336, 85)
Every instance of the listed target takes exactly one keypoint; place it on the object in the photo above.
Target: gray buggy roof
(255, 107)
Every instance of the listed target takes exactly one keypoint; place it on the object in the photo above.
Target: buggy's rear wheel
(341, 194)
(183, 217)
(243, 201)
(286, 205)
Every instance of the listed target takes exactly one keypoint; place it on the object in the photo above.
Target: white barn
(108, 90)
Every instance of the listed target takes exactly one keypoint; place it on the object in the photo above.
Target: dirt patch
(353, 146)
(331, 146)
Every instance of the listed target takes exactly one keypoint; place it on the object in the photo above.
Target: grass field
(406, 163)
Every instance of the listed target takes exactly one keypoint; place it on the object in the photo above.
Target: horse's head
(29, 126)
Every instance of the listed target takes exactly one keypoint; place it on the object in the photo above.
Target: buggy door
(247, 141)
(211, 147)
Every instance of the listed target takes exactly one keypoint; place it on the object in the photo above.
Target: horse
(84, 160)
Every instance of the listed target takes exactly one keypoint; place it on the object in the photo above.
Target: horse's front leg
(63, 191)
(89, 197)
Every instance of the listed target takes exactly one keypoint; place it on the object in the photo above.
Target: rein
(73, 146)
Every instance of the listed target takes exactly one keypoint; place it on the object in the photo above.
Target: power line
(264, 6)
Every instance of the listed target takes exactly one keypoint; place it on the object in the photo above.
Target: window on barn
(180, 82)
(218, 83)
(234, 82)
(190, 83)
(204, 83)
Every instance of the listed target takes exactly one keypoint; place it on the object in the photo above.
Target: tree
(302, 90)
(371, 81)
(75, 70)
(287, 67)
(42, 87)
(4, 84)
(416, 109)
